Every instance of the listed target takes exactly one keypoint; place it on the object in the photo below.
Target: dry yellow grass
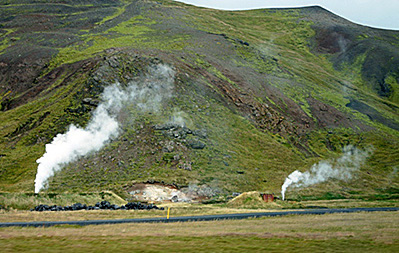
(179, 209)
(253, 199)
(331, 232)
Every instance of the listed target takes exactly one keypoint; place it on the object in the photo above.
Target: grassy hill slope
(256, 95)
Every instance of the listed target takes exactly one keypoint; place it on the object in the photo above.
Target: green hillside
(255, 95)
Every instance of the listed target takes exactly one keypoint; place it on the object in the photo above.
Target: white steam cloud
(147, 95)
(341, 168)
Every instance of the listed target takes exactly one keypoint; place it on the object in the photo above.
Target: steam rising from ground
(77, 142)
(341, 168)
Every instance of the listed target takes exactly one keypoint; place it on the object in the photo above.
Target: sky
(375, 13)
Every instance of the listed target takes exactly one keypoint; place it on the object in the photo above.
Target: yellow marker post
(167, 216)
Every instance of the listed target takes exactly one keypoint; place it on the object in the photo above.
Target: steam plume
(341, 168)
(77, 142)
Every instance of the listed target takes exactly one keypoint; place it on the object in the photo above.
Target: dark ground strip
(196, 218)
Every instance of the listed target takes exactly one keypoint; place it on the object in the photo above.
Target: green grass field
(355, 232)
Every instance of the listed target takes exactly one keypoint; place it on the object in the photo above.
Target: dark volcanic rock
(200, 133)
(174, 130)
(103, 205)
(90, 101)
(166, 126)
(372, 113)
(196, 144)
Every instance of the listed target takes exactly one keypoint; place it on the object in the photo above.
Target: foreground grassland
(372, 232)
